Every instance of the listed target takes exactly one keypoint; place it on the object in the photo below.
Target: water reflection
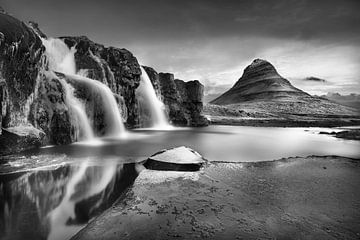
(56, 203)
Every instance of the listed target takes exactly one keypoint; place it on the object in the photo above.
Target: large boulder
(16, 139)
(175, 159)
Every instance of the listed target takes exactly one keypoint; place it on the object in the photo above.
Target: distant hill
(262, 97)
(351, 100)
(260, 81)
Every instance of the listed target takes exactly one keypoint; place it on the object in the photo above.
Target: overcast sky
(213, 41)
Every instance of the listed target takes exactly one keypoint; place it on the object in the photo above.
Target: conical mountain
(260, 81)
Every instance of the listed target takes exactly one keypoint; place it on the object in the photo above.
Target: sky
(214, 40)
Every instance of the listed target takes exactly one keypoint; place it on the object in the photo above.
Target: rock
(36, 28)
(175, 159)
(191, 95)
(353, 134)
(16, 139)
(183, 100)
(115, 67)
(21, 53)
(260, 81)
(49, 111)
(171, 99)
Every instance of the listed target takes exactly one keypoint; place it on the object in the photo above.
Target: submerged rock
(175, 159)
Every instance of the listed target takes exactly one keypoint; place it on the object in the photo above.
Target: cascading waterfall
(62, 59)
(112, 113)
(156, 107)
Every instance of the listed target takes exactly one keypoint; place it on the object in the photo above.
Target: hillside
(262, 97)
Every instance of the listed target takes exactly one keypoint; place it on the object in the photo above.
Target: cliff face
(33, 105)
(183, 100)
(260, 81)
(117, 68)
(20, 54)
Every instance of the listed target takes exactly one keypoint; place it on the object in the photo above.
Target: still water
(52, 192)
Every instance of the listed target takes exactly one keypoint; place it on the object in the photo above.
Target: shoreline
(297, 197)
(276, 122)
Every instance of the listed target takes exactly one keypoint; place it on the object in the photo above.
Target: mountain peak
(260, 81)
(259, 66)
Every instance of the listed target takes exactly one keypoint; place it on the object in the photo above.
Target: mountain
(262, 97)
(260, 81)
(351, 100)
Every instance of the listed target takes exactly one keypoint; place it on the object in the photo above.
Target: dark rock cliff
(33, 106)
(115, 67)
(20, 60)
(183, 100)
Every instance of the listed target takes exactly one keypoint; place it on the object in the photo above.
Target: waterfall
(79, 109)
(62, 59)
(152, 102)
(112, 113)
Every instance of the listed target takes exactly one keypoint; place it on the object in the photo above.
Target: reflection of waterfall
(85, 183)
(62, 59)
(147, 92)
(56, 203)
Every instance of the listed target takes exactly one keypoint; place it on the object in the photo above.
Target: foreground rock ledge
(175, 159)
(294, 198)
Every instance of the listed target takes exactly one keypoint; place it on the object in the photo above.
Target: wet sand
(294, 198)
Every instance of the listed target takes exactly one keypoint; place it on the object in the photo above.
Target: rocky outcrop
(175, 159)
(33, 96)
(20, 61)
(191, 95)
(183, 100)
(260, 81)
(15, 139)
(115, 67)
(50, 112)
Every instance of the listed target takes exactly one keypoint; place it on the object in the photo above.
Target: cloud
(214, 40)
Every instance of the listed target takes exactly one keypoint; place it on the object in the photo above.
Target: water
(112, 111)
(52, 192)
(78, 108)
(146, 91)
(62, 59)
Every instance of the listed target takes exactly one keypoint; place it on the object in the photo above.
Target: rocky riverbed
(293, 198)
